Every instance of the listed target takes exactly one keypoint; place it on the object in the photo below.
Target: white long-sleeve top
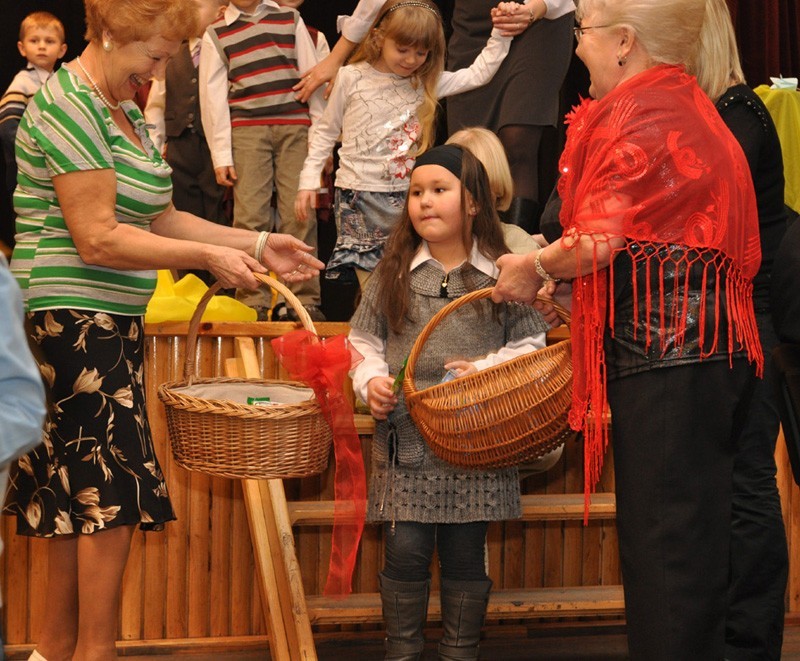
(376, 116)
(213, 76)
(156, 106)
(355, 26)
(154, 113)
(373, 348)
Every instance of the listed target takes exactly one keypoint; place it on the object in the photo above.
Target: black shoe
(262, 314)
(282, 312)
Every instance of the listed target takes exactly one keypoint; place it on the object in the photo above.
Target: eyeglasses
(579, 30)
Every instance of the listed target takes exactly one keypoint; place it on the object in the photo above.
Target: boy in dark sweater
(173, 117)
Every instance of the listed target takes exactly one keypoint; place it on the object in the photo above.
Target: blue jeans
(410, 546)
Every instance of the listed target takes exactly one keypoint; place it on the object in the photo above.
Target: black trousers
(759, 557)
(675, 434)
(195, 187)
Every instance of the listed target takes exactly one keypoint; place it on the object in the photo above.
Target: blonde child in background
(42, 44)
(444, 245)
(383, 105)
(256, 130)
(490, 152)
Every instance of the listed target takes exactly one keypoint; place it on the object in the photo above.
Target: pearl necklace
(96, 87)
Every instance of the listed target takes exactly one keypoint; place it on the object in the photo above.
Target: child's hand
(461, 367)
(303, 204)
(323, 72)
(226, 175)
(505, 8)
(512, 18)
(380, 397)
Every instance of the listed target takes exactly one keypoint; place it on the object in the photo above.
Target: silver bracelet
(544, 275)
(261, 242)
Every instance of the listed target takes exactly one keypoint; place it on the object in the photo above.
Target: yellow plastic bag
(177, 301)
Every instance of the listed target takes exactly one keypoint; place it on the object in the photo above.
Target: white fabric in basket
(239, 392)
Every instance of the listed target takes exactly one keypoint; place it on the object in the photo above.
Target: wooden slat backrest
(196, 579)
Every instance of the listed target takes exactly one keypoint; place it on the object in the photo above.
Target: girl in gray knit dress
(444, 246)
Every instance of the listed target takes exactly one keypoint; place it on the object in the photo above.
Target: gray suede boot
(405, 611)
(463, 611)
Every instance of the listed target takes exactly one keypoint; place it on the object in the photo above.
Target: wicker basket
(505, 415)
(225, 436)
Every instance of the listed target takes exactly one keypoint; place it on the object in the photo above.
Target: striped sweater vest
(260, 54)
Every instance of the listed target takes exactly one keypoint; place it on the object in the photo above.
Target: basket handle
(194, 322)
(476, 295)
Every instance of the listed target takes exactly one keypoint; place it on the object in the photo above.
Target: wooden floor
(539, 643)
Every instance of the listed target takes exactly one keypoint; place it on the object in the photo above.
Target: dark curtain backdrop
(768, 31)
(769, 38)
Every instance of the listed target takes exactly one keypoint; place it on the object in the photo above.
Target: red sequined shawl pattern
(653, 163)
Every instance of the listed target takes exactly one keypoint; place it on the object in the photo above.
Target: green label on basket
(260, 401)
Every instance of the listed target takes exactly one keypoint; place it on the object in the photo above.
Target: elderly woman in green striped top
(94, 221)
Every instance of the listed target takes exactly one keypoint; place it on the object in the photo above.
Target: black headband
(448, 156)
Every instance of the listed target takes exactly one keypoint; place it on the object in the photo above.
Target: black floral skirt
(96, 468)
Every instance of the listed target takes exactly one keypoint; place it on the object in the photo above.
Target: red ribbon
(323, 364)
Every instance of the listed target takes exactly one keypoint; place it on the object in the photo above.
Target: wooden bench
(535, 507)
(504, 604)
(290, 613)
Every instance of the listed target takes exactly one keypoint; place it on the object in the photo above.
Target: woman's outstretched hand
(290, 258)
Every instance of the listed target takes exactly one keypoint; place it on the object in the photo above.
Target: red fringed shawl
(652, 162)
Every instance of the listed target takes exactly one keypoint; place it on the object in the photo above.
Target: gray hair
(667, 29)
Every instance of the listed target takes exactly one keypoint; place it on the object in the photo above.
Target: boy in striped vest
(256, 130)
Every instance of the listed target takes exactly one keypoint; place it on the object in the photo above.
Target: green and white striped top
(67, 129)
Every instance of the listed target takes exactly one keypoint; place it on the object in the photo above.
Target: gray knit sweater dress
(408, 482)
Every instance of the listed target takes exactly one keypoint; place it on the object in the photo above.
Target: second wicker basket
(505, 415)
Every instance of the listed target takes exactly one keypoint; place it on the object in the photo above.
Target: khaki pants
(267, 157)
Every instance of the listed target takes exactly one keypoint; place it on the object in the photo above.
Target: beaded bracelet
(544, 275)
(261, 242)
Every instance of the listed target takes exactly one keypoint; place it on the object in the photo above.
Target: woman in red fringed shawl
(661, 242)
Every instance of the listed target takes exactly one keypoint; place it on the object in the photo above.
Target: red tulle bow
(323, 364)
